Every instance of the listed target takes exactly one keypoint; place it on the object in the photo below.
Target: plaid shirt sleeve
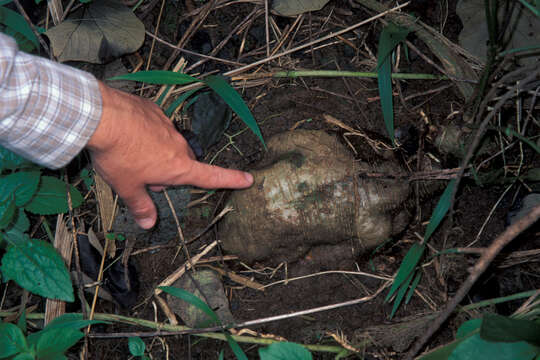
(48, 111)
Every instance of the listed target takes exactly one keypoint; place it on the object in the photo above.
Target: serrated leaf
(159, 77)
(7, 212)
(440, 210)
(20, 222)
(503, 329)
(51, 197)
(11, 161)
(36, 266)
(407, 266)
(99, 32)
(136, 346)
(285, 351)
(235, 101)
(53, 343)
(474, 348)
(13, 20)
(23, 184)
(12, 340)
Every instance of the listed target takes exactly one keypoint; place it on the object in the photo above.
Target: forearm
(48, 111)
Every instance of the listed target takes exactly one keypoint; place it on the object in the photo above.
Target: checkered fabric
(48, 111)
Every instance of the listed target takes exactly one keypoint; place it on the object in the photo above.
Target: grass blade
(407, 267)
(159, 77)
(176, 103)
(400, 294)
(414, 284)
(235, 101)
(510, 132)
(390, 37)
(440, 210)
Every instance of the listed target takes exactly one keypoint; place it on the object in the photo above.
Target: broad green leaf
(192, 299)
(20, 222)
(407, 266)
(440, 210)
(235, 101)
(474, 348)
(443, 352)
(136, 346)
(98, 33)
(51, 197)
(10, 160)
(23, 184)
(24, 356)
(16, 22)
(36, 266)
(71, 321)
(401, 294)
(159, 77)
(176, 103)
(285, 351)
(7, 212)
(503, 329)
(468, 328)
(53, 343)
(12, 340)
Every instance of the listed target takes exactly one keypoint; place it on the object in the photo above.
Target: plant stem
(177, 328)
(336, 73)
(498, 300)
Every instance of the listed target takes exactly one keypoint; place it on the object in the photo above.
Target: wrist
(102, 138)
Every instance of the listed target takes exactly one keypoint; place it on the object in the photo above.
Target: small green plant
(137, 347)
(115, 236)
(50, 343)
(215, 82)
(32, 263)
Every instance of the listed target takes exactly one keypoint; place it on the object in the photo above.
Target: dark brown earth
(280, 105)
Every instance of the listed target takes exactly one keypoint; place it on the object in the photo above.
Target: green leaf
(23, 184)
(406, 268)
(235, 101)
(443, 352)
(503, 329)
(158, 77)
(20, 222)
(400, 294)
(71, 321)
(21, 323)
(284, 351)
(7, 211)
(12, 340)
(16, 22)
(440, 210)
(24, 356)
(176, 103)
(390, 37)
(36, 266)
(474, 348)
(136, 346)
(53, 343)
(221, 354)
(468, 328)
(414, 284)
(192, 299)
(10, 160)
(51, 197)
(509, 131)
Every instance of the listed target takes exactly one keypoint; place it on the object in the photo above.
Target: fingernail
(249, 177)
(145, 223)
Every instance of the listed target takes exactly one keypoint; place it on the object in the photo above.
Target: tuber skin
(308, 199)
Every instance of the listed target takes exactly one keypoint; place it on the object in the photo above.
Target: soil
(280, 105)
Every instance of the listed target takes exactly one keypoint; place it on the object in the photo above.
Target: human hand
(135, 146)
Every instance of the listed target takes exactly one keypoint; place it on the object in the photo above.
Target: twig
(179, 228)
(481, 265)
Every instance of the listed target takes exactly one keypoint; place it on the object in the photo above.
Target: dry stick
(481, 265)
(34, 30)
(287, 52)
(179, 228)
(154, 39)
(266, 29)
(189, 52)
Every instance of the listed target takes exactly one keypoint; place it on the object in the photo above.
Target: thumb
(141, 206)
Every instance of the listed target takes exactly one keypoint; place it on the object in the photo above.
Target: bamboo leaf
(176, 103)
(440, 210)
(400, 294)
(407, 267)
(235, 101)
(159, 77)
(17, 23)
(414, 284)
